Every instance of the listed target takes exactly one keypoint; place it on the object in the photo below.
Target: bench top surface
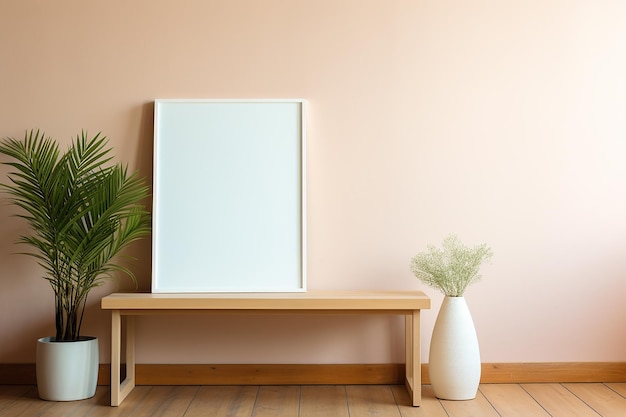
(306, 300)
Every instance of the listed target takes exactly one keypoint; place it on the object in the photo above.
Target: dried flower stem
(451, 269)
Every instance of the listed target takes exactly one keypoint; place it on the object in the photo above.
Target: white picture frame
(229, 196)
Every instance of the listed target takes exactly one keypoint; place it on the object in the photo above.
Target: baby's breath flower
(451, 269)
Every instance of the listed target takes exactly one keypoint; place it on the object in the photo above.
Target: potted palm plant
(454, 364)
(82, 211)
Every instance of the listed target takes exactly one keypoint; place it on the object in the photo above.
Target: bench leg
(413, 378)
(120, 389)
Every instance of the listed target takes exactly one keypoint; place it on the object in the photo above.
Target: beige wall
(503, 122)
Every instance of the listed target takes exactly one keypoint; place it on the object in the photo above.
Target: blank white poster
(229, 193)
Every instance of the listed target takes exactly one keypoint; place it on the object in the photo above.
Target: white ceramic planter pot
(67, 371)
(454, 364)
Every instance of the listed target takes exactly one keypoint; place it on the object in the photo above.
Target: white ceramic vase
(67, 371)
(454, 364)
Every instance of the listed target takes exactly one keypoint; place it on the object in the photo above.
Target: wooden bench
(129, 305)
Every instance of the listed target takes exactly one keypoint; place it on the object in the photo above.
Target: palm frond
(82, 213)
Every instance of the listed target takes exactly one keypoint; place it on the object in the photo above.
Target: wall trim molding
(312, 374)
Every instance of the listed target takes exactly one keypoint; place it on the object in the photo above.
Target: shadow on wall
(141, 251)
(145, 141)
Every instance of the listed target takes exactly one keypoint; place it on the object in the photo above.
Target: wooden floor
(497, 400)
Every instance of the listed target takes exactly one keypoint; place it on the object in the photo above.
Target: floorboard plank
(431, 407)
(600, 397)
(510, 400)
(223, 401)
(79, 408)
(26, 405)
(492, 400)
(619, 387)
(323, 401)
(559, 401)
(478, 407)
(10, 393)
(166, 401)
(371, 400)
(277, 401)
(128, 406)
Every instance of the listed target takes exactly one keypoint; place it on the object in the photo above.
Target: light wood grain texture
(133, 403)
(166, 401)
(558, 400)
(223, 401)
(371, 401)
(325, 401)
(430, 406)
(277, 401)
(619, 387)
(478, 407)
(512, 400)
(27, 404)
(269, 374)
(127, 305)
(413, 372)
(12, 393)
(310, 300)
(504, 373)
(76, 408)
(600, 398)
(388, 373)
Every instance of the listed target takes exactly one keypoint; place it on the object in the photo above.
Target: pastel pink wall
(500, 121)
